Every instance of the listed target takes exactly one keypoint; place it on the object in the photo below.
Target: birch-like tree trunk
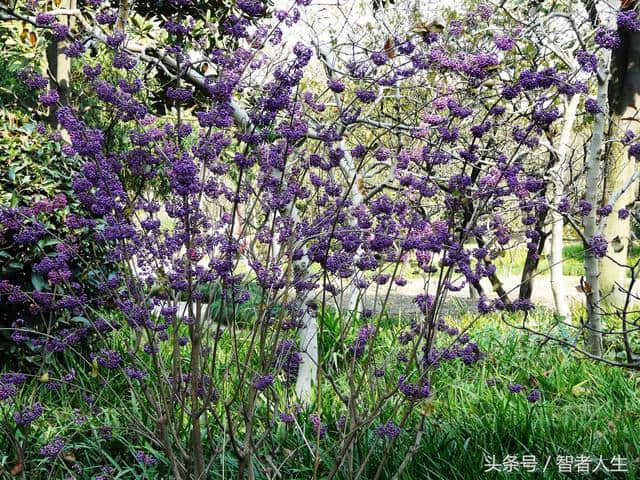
(308, 368)
(308, 332)
(624, 93)
(350, 170)
(558, 286)
(593, 184)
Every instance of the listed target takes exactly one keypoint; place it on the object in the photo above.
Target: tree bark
(123, 15)
(59, 66)
(308, 368)
(308, 333)
(624, 93)
(594, 173)
(558, 286)
(533, 260)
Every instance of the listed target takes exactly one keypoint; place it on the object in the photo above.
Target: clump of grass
(586, 408)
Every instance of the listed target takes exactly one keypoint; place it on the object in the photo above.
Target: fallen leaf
(579, 390)
(434, 27)
(584, 287)
(428, 408)
(69, 457)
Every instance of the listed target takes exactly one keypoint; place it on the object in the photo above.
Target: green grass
(586, 409)
(512, 262)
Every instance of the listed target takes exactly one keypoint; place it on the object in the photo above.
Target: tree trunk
(59, 66)
(624, 92)
(351, 173)
(617, 230)
(473, 292)
(558, 286)
(496, 283)
(308, 333)
(594, 172)
(308, 369)
(532, 261)
(123, 15)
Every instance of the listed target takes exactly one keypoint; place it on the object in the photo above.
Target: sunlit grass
(512, 262)
(586, 409)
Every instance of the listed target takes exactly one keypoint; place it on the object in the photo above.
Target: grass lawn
(573, 264)
(586, 409)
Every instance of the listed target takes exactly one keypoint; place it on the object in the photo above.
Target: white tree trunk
(350, 170)
(308, 332)
(593, 188)
(308, 369)
(617, 231)
(558, 286)
(594, 174)
(620, 167)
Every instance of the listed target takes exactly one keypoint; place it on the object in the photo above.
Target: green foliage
(30, 170)
(586, 409)
(34, 169)
(221, 309)
(573, 264)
